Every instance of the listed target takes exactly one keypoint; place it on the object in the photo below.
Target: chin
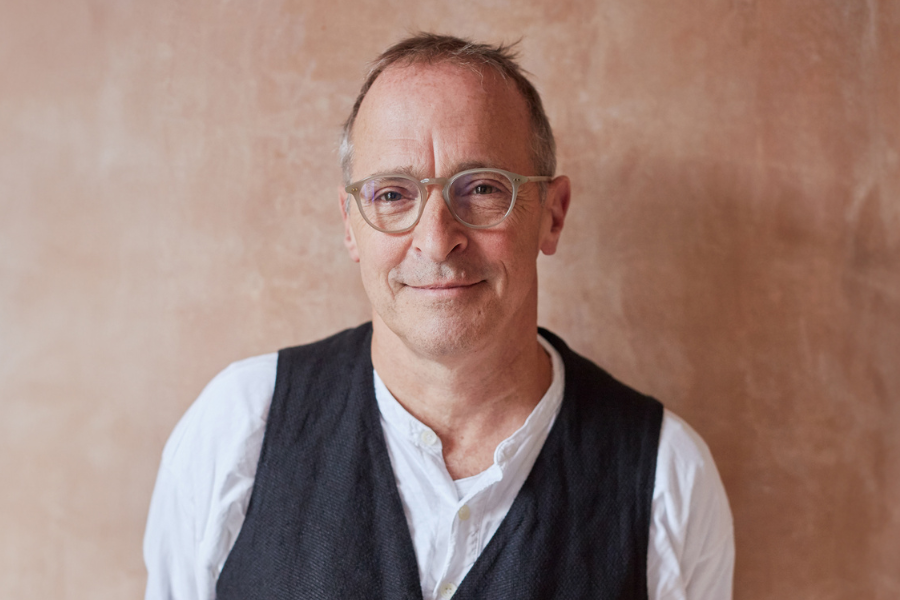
(443, 336)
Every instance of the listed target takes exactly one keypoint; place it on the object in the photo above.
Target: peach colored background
(167, 183)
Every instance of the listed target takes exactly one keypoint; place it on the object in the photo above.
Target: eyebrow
(477, 165)
(412, 172)
(395, 171)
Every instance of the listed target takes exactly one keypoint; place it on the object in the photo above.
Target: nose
(437, 235)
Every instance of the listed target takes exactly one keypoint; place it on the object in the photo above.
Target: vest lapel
(325, 519)
(579, 527)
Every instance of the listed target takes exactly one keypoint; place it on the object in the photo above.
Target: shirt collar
(511, 451)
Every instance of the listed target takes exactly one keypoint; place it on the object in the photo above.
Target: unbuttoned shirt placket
(450, 529)
(463, 518)
(695, 537)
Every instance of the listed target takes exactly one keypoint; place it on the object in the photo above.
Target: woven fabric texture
(325, 519)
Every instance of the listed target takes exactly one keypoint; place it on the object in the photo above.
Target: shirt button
(464, 512)
(447, 589)
(428, 437)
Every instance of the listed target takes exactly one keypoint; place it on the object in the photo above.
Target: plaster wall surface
(168, 177)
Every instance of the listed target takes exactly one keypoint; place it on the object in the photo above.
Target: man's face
(444, 288)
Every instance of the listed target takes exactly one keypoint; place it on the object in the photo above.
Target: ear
(556, 205)
(345, 200)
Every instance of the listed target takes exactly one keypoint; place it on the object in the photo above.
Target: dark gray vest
(325, 518)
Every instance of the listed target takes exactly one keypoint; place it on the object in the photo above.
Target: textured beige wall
(167, 182)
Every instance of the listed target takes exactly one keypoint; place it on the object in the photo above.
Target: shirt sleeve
(170, 544)
(691, 553)
(205, 480)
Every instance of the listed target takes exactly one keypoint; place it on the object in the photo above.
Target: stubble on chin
(439, 339)
(446, 329)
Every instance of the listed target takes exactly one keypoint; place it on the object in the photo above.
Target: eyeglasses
(477, 198)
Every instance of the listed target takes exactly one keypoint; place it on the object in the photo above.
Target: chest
(326, 517)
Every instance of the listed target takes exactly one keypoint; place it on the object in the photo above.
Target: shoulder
(587, 382)
(334, 353)
(230, 411)
(692, 539)
(205, 480)
(684, 458)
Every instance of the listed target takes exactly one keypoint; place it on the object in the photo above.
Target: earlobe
(349, 237)
(555, 208)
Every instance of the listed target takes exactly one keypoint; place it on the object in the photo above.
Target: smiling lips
(440, 278)
(445, 285)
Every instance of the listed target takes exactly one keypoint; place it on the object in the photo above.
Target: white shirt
(209, 464)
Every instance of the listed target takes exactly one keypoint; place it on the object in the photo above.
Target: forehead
(432, 117)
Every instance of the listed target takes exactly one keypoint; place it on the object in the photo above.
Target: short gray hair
(431, 48)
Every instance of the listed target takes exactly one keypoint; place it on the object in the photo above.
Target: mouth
(445, 288)
(445, 285)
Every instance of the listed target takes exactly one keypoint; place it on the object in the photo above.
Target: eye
(389, 191)
(484, 189)
(480, 186)
(389, 196)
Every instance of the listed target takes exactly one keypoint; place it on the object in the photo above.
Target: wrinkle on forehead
(437, 117)
(419, 173)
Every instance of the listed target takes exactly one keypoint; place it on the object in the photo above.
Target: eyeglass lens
(480, 198)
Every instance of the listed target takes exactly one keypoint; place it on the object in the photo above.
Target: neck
(473, 399)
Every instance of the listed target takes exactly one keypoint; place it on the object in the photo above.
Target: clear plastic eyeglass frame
(446, 182)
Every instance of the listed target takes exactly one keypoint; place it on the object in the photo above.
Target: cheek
(512, 254)
(525, 222)
(522, 240)
(378, 255)
(524, 261)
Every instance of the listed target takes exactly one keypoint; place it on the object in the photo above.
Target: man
(448, 448)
